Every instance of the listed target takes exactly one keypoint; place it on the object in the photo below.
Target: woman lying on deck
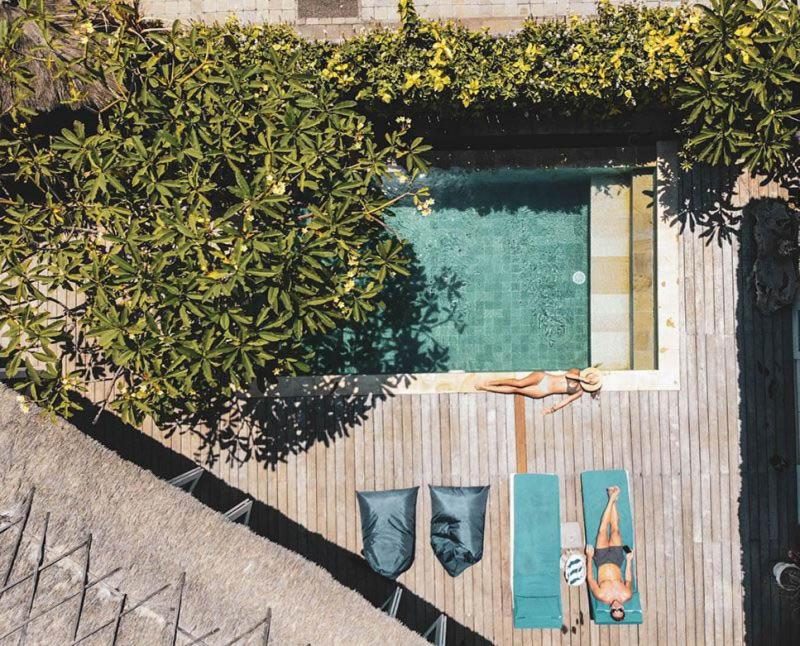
(540, 384)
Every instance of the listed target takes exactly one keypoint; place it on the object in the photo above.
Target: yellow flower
(413, 79)
(533, 50)
(616, 58)
(386, 97)
(522, 66)
(438, 80)
(423, 206)
(441, 53)
(279, 188)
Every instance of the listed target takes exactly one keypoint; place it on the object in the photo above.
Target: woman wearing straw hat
(540, 384)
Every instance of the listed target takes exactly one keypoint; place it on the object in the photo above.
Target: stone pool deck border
(666, 377)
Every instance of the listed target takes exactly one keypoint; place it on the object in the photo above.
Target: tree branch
(107, 399)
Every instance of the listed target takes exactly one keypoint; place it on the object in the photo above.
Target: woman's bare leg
(531, 380)
(503, 390)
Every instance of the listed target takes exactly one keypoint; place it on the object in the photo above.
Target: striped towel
(575, 570)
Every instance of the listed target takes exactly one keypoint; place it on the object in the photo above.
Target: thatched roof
(48, 91)
(154, 531)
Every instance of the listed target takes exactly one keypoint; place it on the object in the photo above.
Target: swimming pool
(499, 279)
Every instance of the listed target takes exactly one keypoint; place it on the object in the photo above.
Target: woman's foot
(479, 387)
(613, 493)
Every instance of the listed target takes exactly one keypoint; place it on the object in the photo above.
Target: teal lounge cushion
(594, 485)
(457, 524)
(536, 551)
(537, 586)
(388, 527)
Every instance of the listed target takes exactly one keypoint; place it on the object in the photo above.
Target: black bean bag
(388, 527)
(457, 523)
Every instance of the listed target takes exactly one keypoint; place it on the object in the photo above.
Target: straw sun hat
(594, 380)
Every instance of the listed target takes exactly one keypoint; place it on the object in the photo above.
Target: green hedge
(623, 58)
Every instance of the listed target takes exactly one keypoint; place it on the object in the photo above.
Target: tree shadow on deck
(707, 205)
(267, 425)
(768, 504)
(711, 209)
(347, 568)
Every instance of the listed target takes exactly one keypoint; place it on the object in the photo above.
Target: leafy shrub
(741, 95)
(623, 57)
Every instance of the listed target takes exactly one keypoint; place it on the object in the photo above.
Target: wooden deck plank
(458, 419)
(690, 387)
(712, 259)
(673, 482)
(491, 559)
(445, 412)
(435, 475)
(725, 491)
(567, 468)
(506, 464)
(647, 541)
(759, 525)
(770, 513)
(582, 435)
(412, 438)
(733, 396)
(473, 593)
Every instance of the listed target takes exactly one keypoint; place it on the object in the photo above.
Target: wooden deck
(710, 511)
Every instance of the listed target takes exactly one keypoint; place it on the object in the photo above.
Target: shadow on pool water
(400, 337)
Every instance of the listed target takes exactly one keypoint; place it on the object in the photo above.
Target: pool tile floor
(496, 280)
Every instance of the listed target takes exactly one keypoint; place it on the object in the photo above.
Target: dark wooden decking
(710, 512)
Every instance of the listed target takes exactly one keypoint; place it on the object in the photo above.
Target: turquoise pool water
(499, 280)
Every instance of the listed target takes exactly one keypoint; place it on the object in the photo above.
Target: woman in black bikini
(540, 384)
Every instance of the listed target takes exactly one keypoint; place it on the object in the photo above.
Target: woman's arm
(563, 402)
(569, 375)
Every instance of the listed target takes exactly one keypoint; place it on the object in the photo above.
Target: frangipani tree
(741, 95)
(185, 239)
